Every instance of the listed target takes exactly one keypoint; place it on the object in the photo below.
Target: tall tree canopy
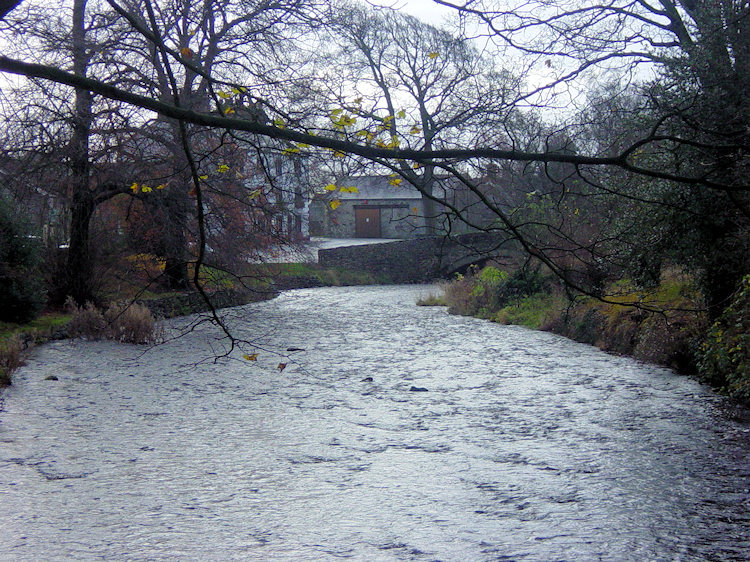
(678, 100)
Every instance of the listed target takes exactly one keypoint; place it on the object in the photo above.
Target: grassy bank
(665, 324)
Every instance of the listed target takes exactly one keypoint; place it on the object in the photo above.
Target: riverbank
(665, 324)
(261, 282)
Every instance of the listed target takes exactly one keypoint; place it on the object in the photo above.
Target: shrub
(483, 294)
(131, 324)
(11, 358)
(22, 294)
(724, 356)
(459, 296)
(535, 311)
(86, 322)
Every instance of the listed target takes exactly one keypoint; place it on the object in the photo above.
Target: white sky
(426, 10)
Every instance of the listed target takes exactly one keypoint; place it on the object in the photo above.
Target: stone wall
(419, 260)
(403, 261)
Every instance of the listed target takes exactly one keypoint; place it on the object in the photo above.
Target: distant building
(379, 209)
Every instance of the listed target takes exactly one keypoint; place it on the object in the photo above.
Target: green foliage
(534, 311)
(724, 356)
(624, 325)
(484, 293)
(22, 294)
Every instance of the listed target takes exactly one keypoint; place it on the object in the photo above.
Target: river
(522, 446)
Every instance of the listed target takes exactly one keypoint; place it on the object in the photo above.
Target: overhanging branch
(213, 120)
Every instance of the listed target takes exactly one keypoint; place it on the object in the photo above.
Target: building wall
(398, 218)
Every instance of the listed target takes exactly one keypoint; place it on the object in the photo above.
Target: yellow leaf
(290, 151)
(279, 122)
(395, 181)
(203, 178)
(339, 154)
(187, 52)
(161, 186)
(223, 95)
(134, 187)
(416, 165)
(146, 189)
(330, 187)
(433, 55)
(303, 145)
(350, 189)
(222, 169)
(251, 357)
(335, 204)
(415, 130)
(228, 111)
(414, 210)
(236, 91)
(336, 112)
(254, 194)
(401, 114)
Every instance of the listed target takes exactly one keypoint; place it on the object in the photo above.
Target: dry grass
(11, 358)
(87, 322)
(132, 323)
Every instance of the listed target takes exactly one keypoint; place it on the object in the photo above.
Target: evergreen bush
(22, 294)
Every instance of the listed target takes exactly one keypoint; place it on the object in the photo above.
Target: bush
(22, 294)
(724, 356)
(87, 321)
(11, 358)
(483, 294)
(131, 324)
(535, 311)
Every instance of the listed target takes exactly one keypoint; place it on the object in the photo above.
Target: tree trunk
(79, 267)
(82, 201)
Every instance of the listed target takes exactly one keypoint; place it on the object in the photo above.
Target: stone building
(379, 209)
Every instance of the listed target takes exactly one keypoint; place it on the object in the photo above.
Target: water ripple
(525, 446)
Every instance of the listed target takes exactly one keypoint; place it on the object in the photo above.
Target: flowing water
(524, 446)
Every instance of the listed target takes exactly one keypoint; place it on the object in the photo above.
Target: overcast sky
(426, 10)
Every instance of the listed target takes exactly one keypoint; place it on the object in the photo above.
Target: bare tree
(696, 136)
(412, 85)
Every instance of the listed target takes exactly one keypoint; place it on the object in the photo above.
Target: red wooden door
(367, 223)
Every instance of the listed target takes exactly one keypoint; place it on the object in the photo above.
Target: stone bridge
(417, 260)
